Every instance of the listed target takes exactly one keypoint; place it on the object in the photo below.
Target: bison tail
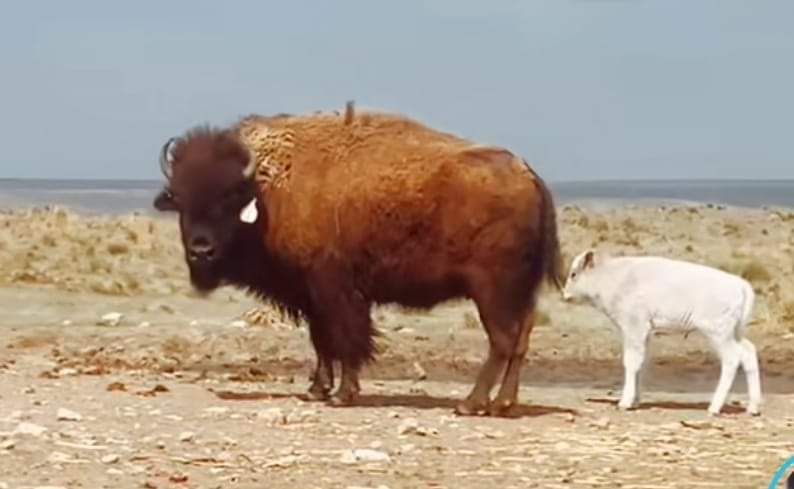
(548, 257)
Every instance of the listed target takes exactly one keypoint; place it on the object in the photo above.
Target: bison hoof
(504, 408)
(471, 407)
(318, 394)
(343, 399)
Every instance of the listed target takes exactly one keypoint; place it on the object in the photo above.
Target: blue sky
(587, 89)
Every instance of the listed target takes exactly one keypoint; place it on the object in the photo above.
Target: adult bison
(328, 214)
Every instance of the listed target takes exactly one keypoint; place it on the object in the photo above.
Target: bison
(328, 214)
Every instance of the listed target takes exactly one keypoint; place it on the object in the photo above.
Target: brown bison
(328, 214)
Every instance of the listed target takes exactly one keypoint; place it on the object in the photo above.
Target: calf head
(575, 289)
(209, 182)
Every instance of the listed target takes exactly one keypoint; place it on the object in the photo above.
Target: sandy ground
(178, 391)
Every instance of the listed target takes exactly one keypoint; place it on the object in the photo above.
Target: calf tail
(746, 313)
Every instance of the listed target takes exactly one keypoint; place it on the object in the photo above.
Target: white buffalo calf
(642, 293)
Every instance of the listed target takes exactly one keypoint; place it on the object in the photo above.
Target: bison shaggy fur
(350, 210)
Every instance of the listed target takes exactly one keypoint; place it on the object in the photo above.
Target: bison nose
(201, 249)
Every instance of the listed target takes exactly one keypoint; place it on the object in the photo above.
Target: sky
(582, 89)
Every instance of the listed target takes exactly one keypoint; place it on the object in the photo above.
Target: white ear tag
(249, 213)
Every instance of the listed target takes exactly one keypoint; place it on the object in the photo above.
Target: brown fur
(379, 208)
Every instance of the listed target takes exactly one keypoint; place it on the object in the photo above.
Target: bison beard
(369, 209)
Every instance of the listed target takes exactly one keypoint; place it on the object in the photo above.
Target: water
(123, 196)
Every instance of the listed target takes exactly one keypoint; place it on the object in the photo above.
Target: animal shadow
(415, 401)
(671, 405)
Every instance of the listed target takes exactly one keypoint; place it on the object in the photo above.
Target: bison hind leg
(506, 311)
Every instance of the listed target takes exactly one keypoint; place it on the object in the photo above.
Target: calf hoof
(628, 406)
(753, 411)
(502, 408)
(471, 407)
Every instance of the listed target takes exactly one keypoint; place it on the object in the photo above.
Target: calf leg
(730, 352)
(749, 361)
(634, 348)
(508, 392)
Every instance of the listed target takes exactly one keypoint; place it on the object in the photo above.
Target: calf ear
(164, 201)
(589, 259)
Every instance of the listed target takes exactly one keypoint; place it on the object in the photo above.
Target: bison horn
(165, 162)
(250, 168)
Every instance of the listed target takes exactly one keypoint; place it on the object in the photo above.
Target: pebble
(144, 324)
(238, 324)
(186, 436)
(110, 459)
(602, 423)
(30, 429)
(67, 415)
(419, 371)
(112, 471)
(272, 416)
(408, 426)
(111, 319)
(66, 322)
(216, 410)
(364, 455)
(7, 445)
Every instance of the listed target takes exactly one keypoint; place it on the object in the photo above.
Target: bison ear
(164, 201)
(589, 259)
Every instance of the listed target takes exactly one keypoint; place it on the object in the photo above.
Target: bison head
(209, 176)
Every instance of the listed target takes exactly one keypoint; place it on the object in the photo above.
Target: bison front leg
(349, 387)
(343, 328)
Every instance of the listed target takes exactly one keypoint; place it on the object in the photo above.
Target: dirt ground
(176, 391)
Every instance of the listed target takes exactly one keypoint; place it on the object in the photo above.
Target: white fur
(641, 293)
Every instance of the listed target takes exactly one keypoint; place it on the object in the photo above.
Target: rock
(111, 319)
(217, 410)
(67, 415)
(193, 323)
(66, 322)
(30, 429)
(7, 445)
(238, 324)
(601, 423)
(113, 471)
(186, 436)
(272, 416)
(144, 324)
(408, 426)
(364, 455)
(110, 459)
(419, 371)
(58, 457)
(29, 390)
(178, 478)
